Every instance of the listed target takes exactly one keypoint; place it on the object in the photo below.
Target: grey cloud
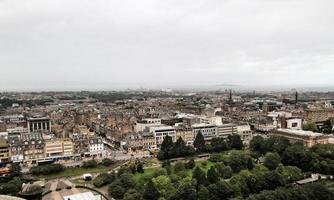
(106, 44)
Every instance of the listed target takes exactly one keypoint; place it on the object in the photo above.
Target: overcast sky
(107, 44)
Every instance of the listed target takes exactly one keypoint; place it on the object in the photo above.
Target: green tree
(166, 147)
(15, 170)
(220, 190)
(150, 191)
(203, 193)
(107, 162)
(212, 175)
(199, 175)
(224, 171)
(219, 144)
(240, 160)
(256, 144)
(199, 142)
(164, 186)
(256, 182)
(116, 190)
(186, 190)
(127, 181)
(190, 164)
(290, 173)
(272, 160)
(235, 141)
(310, 127)
(89, 164)
(140, 167)
(104, 179)
(179, 149)
(132, 194)
(274, 180)
(179, 167)
(298, 155)
(124, 169)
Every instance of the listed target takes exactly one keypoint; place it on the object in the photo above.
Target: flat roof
(300, 132)
(202, 125)
(81, 196)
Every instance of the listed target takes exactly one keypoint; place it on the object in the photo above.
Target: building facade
(208, 131)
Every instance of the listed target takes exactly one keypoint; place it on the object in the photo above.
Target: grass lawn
(204, 165)
(80, 181)
(77, 171)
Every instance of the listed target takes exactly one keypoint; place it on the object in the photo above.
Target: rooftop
(81, 196)
(202, 125)
(300, 132)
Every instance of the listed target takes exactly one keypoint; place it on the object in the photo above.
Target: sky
(113, 44)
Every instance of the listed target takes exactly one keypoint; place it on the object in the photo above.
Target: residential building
(245, 132)
(33, 146)
(15, 148)
(141, 141)
(96, 146)
(4, 151)
(185, 133)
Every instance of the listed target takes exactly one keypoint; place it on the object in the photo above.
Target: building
(208, 131)
(294, 123)
(185, 133)
(37, 123)
(160, 132)
(96, 146)
(141, 125)
(33, 146)
(4, 151)
(308, 138)
(245, 132)
(57, 147)
(15, 149)
(225, 130)
(81, 143)
(144, 140)
(318, 115)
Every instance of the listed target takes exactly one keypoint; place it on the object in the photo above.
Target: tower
(296, 98)
(230, 98)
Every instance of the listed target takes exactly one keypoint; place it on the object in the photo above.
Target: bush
(107, 162)
(103, 179)
(46, 169)
(89, 164)
(190, 164)
(272, 160)
(179, 167)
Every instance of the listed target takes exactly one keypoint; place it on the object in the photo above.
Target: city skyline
(105, 45)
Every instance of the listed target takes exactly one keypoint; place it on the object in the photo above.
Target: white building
(225, 130)
(96, 146)
(294, 123)
(208, 131)
(160, 132)
(141, 125)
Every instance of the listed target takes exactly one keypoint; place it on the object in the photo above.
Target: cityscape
(166, 100)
